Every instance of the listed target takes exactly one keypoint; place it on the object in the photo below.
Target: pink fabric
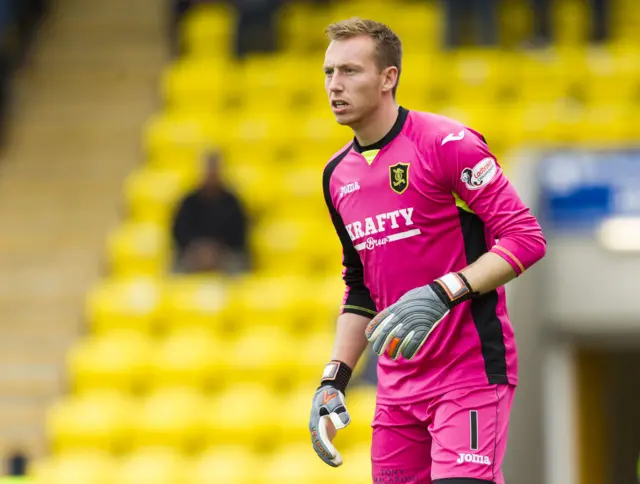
(408, 237)
(422, 442)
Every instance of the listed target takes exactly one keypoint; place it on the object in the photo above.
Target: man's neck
(378, 125)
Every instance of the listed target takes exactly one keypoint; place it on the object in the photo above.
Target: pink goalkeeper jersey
(426, 200)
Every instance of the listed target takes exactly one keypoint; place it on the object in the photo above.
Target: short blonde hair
(388, 44)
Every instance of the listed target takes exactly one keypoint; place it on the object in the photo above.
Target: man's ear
(389, 78)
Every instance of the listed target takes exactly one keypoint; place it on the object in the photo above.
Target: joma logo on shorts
(473, 458)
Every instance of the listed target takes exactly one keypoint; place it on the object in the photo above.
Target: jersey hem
(441, 390)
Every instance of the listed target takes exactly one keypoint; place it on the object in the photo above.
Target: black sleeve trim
(359, 298)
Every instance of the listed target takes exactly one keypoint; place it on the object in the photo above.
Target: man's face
(353, 81)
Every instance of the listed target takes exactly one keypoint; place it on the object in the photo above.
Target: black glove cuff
(453, 289)
(337, 374)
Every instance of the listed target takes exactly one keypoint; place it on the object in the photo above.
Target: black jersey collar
(389, 137)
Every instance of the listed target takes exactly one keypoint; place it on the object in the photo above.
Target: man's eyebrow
(341, 66)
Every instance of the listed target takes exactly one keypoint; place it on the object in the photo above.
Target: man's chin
(345, 119)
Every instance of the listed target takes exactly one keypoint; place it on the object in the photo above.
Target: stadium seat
(197, 301)
(314, 351)
(171, 417)
(243, 415)
(196, 87)
(153, 195)
(361, 402)
(272, 301)
(124, 304)
(283, 246)
(78, 467)
(297, 463)
(357, 466)
(191, 357)
(570, 22)
(302, 26)
(206, 31)
(153, 465)
(177, 140)
(117, 360)
(230, 465)
(266, 354)
(138, 250)
(98, 420)
(255, 183)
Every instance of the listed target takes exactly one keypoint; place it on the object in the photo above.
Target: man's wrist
(337, 374)
(453, 289)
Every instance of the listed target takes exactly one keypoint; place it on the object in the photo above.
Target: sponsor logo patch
(480, 175)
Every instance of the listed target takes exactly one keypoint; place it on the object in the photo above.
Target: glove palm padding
(327, 405)
(404, 326)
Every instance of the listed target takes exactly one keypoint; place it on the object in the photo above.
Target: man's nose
(335, 85)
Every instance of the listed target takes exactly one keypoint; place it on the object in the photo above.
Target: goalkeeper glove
(328, 405)
(404, 326)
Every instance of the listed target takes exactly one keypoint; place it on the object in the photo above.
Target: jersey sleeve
(474, 175)
(357, 298)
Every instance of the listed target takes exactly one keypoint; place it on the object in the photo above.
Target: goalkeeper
(431, 230)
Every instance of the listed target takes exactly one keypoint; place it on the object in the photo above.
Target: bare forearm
(488, 272)
(350, 341)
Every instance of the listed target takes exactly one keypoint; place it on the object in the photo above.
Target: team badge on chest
(399, 177)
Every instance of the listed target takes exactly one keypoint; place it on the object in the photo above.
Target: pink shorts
(460, 436)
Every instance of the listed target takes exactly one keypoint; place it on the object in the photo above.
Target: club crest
(399, 177)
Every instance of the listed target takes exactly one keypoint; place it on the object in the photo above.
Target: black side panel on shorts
(483, 308)
(461, 480)
(359, 299)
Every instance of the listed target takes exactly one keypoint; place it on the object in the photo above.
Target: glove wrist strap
(337, 374)
(453, 288)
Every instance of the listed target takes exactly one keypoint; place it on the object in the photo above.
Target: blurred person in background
(480, 17)
(210, 226)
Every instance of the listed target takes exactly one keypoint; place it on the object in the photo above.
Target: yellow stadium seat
(282, 246)
(294, 428)
(570, 22)
(296, 463)
(361, 402)
(198, 87)
(195, 301)
(78, 467)
(207, 30)
(153, 195)
(138, 249)
(273, 82)
(153, 465)
(321, 127)
(418, 24)
(243, 415)
(230, 465)
(302, 28)
(356, 468)
(255, 183)
(265, 354)
(169, 416)
(191, 357)
(97, 420)
(117, 360)
(270, 301)
(483, 76)
(177, 140)
(124, 304)
(314, 352)
(328, 295)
